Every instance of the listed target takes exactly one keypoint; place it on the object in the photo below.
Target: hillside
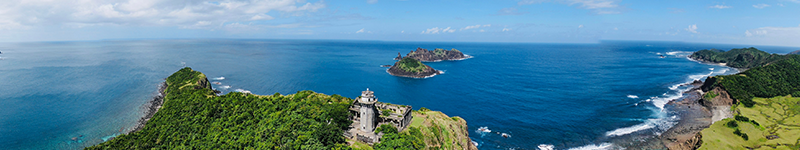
(435, 55)
(409, 67)
(738, 57)
(193, 117)
(764, 110)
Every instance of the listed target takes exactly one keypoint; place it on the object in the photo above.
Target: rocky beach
(150, 108)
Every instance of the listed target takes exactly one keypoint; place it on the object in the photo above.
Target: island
(754, 109)
(192, 116)
(435, 55)
(797, 52)
(412, 68)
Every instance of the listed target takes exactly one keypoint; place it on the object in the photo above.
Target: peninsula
(435, 55)
(192, 116)
(412, 68)
(752, 109)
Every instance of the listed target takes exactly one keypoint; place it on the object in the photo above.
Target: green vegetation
(409, 64)
(738, 58)
(192, 117)
(386, 112)
(779, 128)
(410, 139)
(710, 95)
(776, 79)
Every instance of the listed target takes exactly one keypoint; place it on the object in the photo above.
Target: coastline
(438, 72)
(151, 107)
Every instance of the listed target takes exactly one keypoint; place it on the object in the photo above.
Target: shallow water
(565, 95)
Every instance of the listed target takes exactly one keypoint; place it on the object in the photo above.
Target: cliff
(409, 67)
(435, 55)
(797, 52)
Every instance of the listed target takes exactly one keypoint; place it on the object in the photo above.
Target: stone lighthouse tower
(368, 111)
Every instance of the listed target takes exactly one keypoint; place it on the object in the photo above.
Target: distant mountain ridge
(737, 57)
(797, 52)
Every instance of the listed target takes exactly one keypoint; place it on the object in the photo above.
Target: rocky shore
(427, 73)
(150, 108)
(412, 68)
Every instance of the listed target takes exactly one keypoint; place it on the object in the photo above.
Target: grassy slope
(440, 130)
(776, 116)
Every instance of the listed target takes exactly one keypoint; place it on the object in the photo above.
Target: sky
(749, 22)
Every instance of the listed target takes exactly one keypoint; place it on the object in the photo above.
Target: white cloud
(476, 26)
(598, 6)
(692, 28)
(760, 6)
(774, 35)
(616, 28)
(482, 30)
(261, 17)
(404, 31)
(372, 1)
(720, 6)
(438, 30)
(506, 29)
(180, 13)
(779, 4)
(580, 26)
(360, 31)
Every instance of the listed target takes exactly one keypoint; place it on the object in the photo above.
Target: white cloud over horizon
(18, 14)
(437, 30)
(692, 28)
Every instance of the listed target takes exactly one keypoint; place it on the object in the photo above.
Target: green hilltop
(194, 117)
(768, 96)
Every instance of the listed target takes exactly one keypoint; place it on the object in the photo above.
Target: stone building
(367, 114)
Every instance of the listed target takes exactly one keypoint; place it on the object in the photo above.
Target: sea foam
(633, 96)
(602, 146)
(218, 78)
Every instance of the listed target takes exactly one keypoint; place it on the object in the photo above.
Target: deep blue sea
(69, 95)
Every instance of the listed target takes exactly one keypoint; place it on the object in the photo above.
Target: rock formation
(435, 55)
(409, 67)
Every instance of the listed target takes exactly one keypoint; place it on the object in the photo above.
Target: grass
(358, 145)
(439, 130)
(409, 64)
(777, 116)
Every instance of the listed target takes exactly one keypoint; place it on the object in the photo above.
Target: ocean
(69, 95)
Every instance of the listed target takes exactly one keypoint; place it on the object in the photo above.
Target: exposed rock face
(720, 105)
(435, 55)
(408, 67)
(399, 56)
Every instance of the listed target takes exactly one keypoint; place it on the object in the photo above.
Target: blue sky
(751, 22)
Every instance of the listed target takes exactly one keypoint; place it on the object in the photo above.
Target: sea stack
(412, 68)
(436, 55)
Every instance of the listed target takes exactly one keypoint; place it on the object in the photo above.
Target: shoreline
(438, 72)
(151, 107)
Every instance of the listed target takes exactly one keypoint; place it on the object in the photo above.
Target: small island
(412, 68)
(797, 52)
(435, 55)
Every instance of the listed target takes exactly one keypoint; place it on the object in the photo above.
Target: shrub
(732, 124)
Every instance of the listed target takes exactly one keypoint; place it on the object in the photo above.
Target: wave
(602, 146)
(633, 96)
(679, 53)
(225, 87)
(242, 90)
(662, 123)
(545, 147)
(218, 78)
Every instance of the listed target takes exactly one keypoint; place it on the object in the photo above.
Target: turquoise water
(565, 95)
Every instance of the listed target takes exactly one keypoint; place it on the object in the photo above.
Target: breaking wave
(602, 146)
(218, 78)
(633, 96)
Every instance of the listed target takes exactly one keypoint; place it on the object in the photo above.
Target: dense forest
(737, 57)
(193, 117)
(778, 78)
